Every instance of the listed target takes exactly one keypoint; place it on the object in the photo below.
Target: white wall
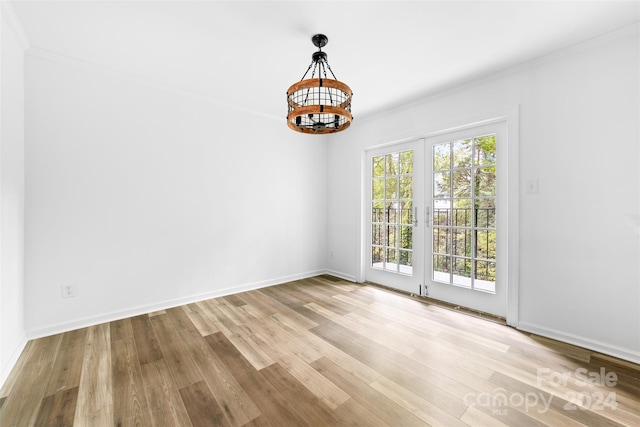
(12, 330)
(579, 136)
(143, 197)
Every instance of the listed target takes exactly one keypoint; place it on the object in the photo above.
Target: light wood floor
(314, 352)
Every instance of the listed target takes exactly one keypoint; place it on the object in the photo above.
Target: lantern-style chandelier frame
(319, 104)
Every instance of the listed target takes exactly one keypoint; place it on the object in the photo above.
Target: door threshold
(453, 307)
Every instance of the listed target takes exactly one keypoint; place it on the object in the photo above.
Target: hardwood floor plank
(352, 365)
(238, 408)
(66, 370)
(475, 417)
(323, 285)
(261, 421)
(314, 411)
(442, 394)
(282, 342)
(399, 339)
(294, 316)
(30, 387)
(146, 341)
(540, 406)
(157, 313)
(129, 400)
(95, 399)
(413, 313)
(163, 397)
(270, 402)
(355, 297)
(526, 370)
(376, 356)
(208, 315)
(384, 408)
(565, 349)
(297, 321)
(58, 409)
(285, 295)
(200, 320)
(351, 413)
(475, 343)
(15, 374)
(120, 329)
(448, 378)
(424, 410)
(235, 300)
(565, 402)
(627, 384)
(182, 368)
(294, 302)
(179, 318)
(225, 311)
(623, 367)
(396, 317)
(524, 352)
(260, 302)
(325, 390)
(324, 298)
(371, 333)
(294, 355)
(440, 357)
(255, 350)
(201, 406)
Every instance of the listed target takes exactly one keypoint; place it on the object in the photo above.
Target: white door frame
(511, 169)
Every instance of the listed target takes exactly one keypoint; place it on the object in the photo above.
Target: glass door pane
(392, 212)
(392, 240)
(464, 211)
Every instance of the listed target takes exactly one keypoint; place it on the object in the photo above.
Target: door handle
(427, 216)
(415, 216)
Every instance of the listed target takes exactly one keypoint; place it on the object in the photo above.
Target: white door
(395, 199)
(465, 260)
(437, 223)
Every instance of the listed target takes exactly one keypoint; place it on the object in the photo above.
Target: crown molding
(10, 17)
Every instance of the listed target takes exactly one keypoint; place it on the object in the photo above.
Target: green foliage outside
(392, 208)
(464, 191)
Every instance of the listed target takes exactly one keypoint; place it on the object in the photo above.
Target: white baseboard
(612, 350)
(163, 305)
(340, 275)
(17, 351)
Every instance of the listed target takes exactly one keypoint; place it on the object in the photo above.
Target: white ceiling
(246, 54)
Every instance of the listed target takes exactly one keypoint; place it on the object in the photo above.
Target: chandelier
(319, 104)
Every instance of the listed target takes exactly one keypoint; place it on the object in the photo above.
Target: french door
(395, 186)
(436, 224)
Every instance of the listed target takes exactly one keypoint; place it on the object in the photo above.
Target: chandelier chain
(305, 73)
(313, 73)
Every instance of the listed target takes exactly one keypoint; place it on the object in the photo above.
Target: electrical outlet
(68, 291)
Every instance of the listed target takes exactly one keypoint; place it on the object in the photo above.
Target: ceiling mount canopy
(319, 104)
